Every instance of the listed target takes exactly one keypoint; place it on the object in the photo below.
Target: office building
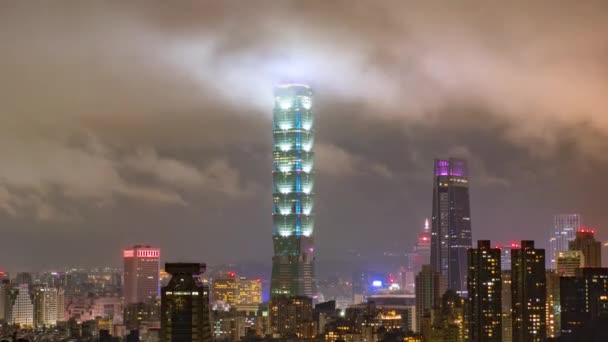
(22, 310)
(564, 230)
(293, 184)
(568, 262)
(583, 298)
(141, 273)
(451, 222)
(292, 317)
(528, 293)
(249, 291)
(430, 286)
(224, 289)
(46, 306)
(591, 248)
(185, 312)
(484, 289)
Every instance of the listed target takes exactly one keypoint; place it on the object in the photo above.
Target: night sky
(150, 121)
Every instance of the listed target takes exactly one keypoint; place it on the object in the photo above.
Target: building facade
(141, 274)
(568, 262)
(484, 288)
(46, 306)
(249, 291)
(185, 309)
(451, 222)
(564, 230)
(430, 286)
(591, 248)
(224, 288)
(583, 298)
(292, 317)
(528, 293)
(22, 311)
(293, 185)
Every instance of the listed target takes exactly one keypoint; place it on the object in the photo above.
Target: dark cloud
(149, 121)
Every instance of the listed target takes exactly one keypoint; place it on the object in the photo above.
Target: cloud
(336, 161)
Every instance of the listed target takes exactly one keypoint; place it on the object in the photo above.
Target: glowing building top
(293, 182)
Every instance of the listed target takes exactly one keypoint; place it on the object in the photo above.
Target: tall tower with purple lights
(293, 182)
(451, 223)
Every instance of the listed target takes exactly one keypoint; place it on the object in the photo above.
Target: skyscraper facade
(528, 293)
(293, 183)
(185, 314)
(564, 231)
(451, 222)
(484, 289)
(591, 248)
(22, 313)
(568, 262)
(141, 274)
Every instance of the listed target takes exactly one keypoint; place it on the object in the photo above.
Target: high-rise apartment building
(225, 288)
(291, 317)
(564, 230)
(293, 183)
(5, 300)
(185, 309)
(528, 293)
(507, 312)
(553, 304)
(583, 298)
(568, 262)
(591, 248)
(430, 286)
(484, 288)
(141, 274)
(22, 311)
(46, 306)
(451, 222)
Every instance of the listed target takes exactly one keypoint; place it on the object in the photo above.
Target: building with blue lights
(293, 182)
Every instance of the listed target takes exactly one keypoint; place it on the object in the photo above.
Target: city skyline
(166, 141)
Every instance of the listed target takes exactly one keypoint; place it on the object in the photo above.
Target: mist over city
(303, 151)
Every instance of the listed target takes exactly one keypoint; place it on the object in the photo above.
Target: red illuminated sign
(148, 253)
(128, 253)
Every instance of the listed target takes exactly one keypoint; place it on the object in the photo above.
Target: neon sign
(148, 253)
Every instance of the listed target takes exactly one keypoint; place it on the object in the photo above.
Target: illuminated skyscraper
(451, 223)
(141, 273)
(528, 293)
(591, 248)
(293, 181)
(22, 308)
(568, 262)
(564, 231)
(249, 291)
(484, 284)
